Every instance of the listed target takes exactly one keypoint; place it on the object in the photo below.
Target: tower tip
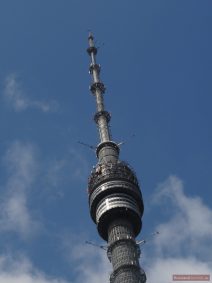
(90, 35)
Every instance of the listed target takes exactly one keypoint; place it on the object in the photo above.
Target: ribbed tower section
(115, 200)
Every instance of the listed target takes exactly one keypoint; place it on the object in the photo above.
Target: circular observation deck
(114, 191)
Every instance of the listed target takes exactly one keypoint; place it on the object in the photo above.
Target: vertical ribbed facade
(115, 199)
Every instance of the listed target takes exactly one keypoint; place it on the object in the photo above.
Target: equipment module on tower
(115, 199)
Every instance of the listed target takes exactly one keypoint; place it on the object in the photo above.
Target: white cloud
(73, 166)
(19, 101)
(21, 166)
(190, 219)
(185, 241)
(90, 264)
(163, 269)
(20, 270)
(93, 265)
(22, 169)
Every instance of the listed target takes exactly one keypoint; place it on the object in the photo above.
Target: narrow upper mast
(102, 117)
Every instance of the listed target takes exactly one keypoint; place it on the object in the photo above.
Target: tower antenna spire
(107, 150)
(102, 117)
(115, 199)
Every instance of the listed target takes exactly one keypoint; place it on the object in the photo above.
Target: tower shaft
(115, 199)
(124, 253)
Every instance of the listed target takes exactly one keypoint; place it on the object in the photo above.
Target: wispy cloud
(21, 166)
(162, 269)
(73, 166)
(17, 98)
(93, 265)
(184, 244)
(190, 221)
(22, 171)
(89, 264)
(18, 269)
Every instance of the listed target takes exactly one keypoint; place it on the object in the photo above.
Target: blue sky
(157, 65)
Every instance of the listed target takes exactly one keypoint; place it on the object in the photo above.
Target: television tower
(115, 199)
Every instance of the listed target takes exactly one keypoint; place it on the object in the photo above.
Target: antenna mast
(102, 117)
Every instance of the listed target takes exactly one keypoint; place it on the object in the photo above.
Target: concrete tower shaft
(115, 199)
